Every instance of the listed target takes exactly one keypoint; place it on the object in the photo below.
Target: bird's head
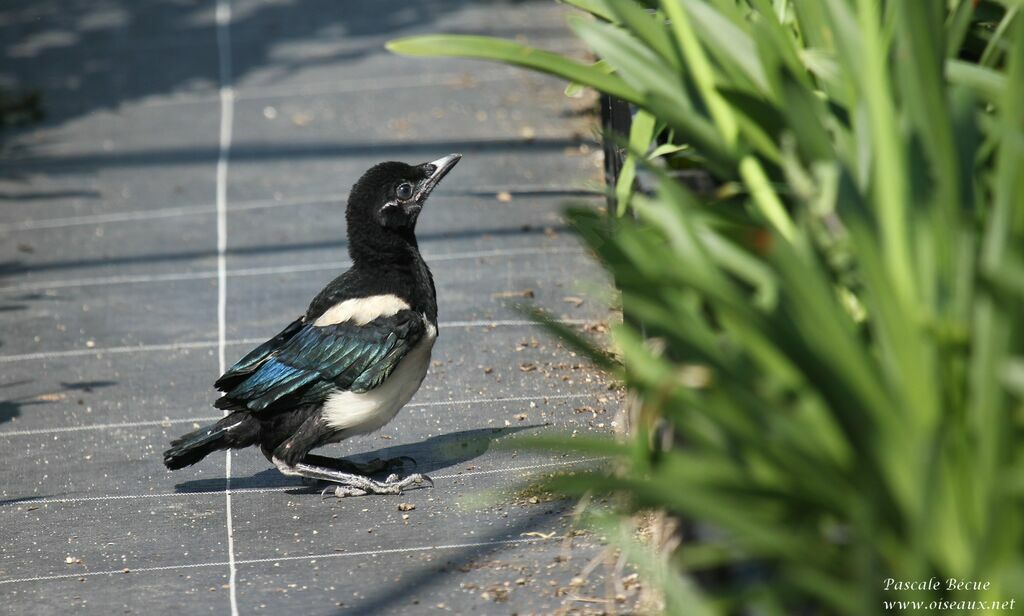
(385, 203)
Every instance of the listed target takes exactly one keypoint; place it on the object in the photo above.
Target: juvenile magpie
(356, 356)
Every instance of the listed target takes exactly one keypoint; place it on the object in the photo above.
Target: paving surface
(171, 123)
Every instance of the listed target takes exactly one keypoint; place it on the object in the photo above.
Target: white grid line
(86, 159)
(169, 422)
(108, 280)
(254, 561)
(143, 348)
(206, 344)
(366, 84)
(120, 497)
(227, 108)
(209, 209)
(165, 212)
(271, 270)
(108, 426)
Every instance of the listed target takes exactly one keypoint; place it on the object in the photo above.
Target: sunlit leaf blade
(640, 136)
(647, 27)
(496, 49)
(598, 8)
(730, 44)
(986, 82)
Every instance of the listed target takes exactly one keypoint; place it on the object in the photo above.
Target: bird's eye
(404, 190)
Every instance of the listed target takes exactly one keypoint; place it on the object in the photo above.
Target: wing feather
(304, 364)
(244, 367)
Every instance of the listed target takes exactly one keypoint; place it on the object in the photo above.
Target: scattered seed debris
(496, 593)
(527, 293)
(631, 581)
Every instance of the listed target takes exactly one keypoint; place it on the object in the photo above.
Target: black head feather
(385, 204)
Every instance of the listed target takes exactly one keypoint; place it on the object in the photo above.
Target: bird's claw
(342, 492)
(415, 478)
(392, 485)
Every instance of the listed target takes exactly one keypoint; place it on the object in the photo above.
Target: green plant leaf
(648, 28)
(488, 48)
(597, 8)
(634, 62)
(641, 134)
(984, 81)
(666, 149)
(730, 44)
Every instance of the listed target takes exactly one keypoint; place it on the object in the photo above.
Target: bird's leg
(351, 484)
(372, 467)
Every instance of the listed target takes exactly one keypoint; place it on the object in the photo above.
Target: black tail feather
(232, 431)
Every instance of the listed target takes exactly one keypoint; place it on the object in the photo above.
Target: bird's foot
(349, 484)
(361, 486)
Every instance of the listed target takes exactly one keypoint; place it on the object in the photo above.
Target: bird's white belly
(361, 413)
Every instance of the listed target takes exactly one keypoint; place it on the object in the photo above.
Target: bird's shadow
(430, 455)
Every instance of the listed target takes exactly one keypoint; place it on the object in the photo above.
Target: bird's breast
(360, 413)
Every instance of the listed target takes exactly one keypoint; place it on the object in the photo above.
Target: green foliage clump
(840, 326)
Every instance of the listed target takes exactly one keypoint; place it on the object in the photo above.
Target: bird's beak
(436, 169)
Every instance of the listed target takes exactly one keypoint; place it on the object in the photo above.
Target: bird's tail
(235, 430)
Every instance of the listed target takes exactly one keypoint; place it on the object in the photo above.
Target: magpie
(356, 356)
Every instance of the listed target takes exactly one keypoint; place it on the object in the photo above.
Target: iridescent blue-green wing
(244, 367)
(316, 360)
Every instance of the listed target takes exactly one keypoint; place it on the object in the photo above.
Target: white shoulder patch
(362, 310)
